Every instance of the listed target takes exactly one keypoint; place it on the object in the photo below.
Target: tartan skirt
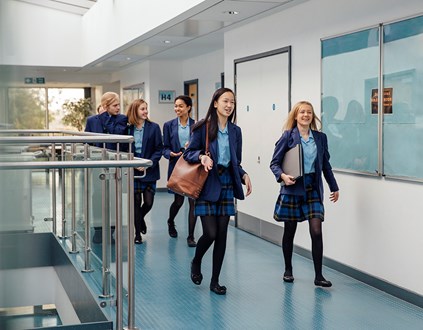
(140, 186)
(298, 208)
(225, 205)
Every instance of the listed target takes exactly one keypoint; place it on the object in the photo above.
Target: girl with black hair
(224, 182)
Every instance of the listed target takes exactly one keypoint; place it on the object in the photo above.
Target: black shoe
(143, 228)
(196, 276)
(288, 277)
(324, 283)
(172, 230)
(191, 242)
(216, 288)
(138, 240)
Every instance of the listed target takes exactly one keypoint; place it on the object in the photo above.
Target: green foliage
(27, 108)
(76, 113)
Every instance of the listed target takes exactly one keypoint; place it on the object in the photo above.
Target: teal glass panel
(403, 90)
(349, 75)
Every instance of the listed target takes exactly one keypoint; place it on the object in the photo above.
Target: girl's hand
(248, 184)
(333, 197)
(175, 154)
(287, 179)
(141, 169)
(207, 162)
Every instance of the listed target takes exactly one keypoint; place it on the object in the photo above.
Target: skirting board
(273, 233)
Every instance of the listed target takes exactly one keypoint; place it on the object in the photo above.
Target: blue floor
(257, 298)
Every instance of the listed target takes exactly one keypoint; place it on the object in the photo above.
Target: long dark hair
(211, 116)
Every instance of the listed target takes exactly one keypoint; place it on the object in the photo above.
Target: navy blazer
(106, 124)
(288, 140)
(171, 142)
(197, 146)
(152, 148)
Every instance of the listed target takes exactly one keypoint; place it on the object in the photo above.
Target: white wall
(34, 35)
(207, 75)
(170, 75)
(376, 226)
(74, 40)
(124, 21)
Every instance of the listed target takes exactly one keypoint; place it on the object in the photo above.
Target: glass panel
(349, 73)
(130, 94)
(72, 116)
(403, 110)
(27, 108)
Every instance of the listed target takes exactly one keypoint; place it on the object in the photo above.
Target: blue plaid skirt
(296, 208)
(225, 204)
(140, 186)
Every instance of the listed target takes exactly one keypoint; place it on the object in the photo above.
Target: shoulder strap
(207, 139)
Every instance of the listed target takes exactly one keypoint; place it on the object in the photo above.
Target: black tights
(174, 209)
(315, 228)
(141, 210)
(215, 229)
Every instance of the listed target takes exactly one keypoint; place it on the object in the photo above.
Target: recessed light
(167, 41)
(231, 12)
(128, 58)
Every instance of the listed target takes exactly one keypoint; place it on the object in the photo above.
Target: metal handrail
(47, 140)
(118, 164)
(136, 162)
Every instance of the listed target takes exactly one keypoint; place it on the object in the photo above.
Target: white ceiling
(193, 33)
(196, 32)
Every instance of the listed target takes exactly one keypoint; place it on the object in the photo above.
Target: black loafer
(172, 230)
(138, 240)
(143, 228)
(196, 276)
(191, 242)
(323, 283)
(288, 278)
(216, 288)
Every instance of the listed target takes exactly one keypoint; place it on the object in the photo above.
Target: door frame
(187, 85)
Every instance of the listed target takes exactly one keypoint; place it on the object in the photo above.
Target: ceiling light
(167, 41)
(231, 12)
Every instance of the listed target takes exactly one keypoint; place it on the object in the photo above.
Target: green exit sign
(35, 80)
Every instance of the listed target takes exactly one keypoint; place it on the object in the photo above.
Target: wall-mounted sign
(35, 80)
(166, 96)
(387, 100)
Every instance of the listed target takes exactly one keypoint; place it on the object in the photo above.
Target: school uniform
(224, 183)
(152, 148)
(304, 199)
(107, 124)
(171, 142)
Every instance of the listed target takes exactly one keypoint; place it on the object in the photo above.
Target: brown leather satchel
(188, 179)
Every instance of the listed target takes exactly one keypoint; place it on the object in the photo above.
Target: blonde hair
(109, 98)
(131, 113)
(291, 122)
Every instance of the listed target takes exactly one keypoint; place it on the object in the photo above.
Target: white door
(262, 88)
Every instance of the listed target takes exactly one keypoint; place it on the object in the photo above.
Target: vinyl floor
(257, 298)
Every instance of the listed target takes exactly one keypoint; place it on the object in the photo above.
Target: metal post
(63, 188)
(118, 247)
(380, 115)
(73, 204)
(105, 203)
(87, 176)
(131, 256)
(53, 218)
